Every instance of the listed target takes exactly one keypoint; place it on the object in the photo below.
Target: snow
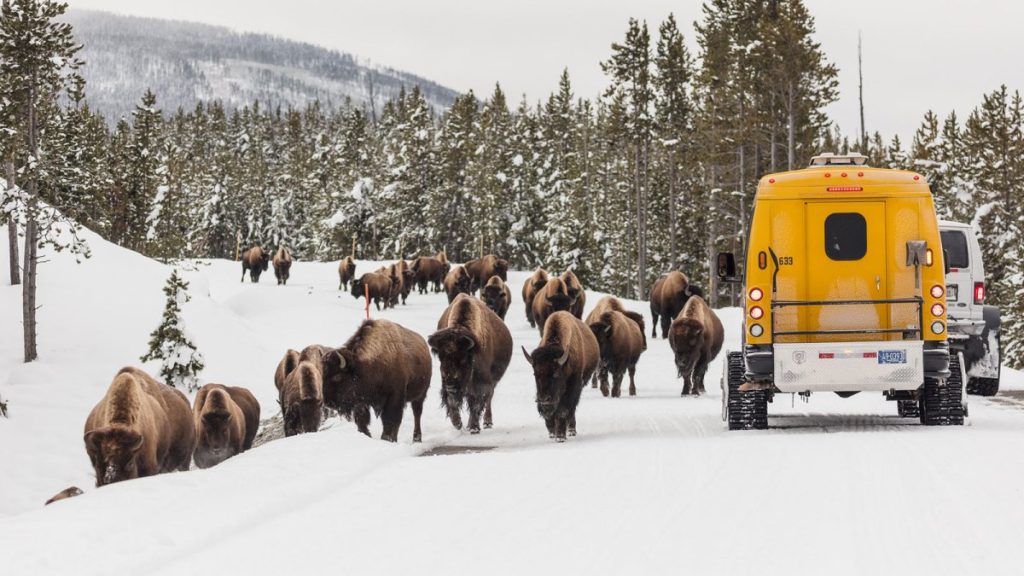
(652, 483)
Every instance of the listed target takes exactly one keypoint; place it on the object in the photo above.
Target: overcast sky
(918, 54)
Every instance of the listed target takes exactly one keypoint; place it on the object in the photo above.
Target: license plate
(892, 356)
(952, 292)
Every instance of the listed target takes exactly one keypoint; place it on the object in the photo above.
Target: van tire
(942, 402)
(746, 410)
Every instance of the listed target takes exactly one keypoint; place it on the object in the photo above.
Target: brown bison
(474, 347)
(535, 283)
(565, 359)
(406, 278)
(284, 368)
(428, 269)
(668, 296)
(346, 272)
(696, 338)
(609, 303)
(227, 418)
(391, 273)
(553, 297)
(457, 282)
(141, 427)
(381, 367)
(282, 264)
(481, 269)
(576, 293)
(497, 296)
(302, 393)
(620, 340)
(255, 260)
(375, 287)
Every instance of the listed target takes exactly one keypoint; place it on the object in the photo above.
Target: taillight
(937, 291)
(929, 258)
(937, 309)
(756, 294)
(979, 292)
(756, 312)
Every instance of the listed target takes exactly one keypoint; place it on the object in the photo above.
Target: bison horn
(562, 359)
(341, 360)
(138, 443)
(470, 343)
(528, 357)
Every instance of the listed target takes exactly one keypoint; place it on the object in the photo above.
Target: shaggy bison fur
(282, 264)
(474, 347)
(534, 284)
(141, 427)
(457, 282)
(577, 294)
(226, 420)
(374, 286)
(565, 359)
(255, 260)
(696, 338)
(553, 297)
(346, 272)
(497, 296)
(481, 270)
(668, 296)
(430, 270)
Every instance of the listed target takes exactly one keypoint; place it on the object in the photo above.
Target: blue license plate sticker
(892, 356)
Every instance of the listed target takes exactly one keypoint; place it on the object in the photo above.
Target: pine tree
(39, 56)
(181, 363)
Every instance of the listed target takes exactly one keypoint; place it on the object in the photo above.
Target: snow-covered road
(652, 483)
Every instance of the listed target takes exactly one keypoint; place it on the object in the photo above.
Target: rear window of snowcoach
(846, 236)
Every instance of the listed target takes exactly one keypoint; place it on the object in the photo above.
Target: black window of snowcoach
(955, 244)
(846, 236)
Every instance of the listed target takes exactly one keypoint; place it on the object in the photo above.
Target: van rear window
(955, 244)
(846, 236)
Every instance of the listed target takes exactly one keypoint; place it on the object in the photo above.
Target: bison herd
(143, 427)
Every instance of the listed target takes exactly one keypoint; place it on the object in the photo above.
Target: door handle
(878, 282)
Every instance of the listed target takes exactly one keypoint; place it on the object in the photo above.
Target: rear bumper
(850, 366)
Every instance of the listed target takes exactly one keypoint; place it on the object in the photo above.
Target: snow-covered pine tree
(181, 362)
(450, 204)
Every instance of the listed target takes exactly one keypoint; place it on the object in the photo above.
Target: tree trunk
(639, 223)
(672, 226)
(12, 230)
(791, 143)
(28, 292)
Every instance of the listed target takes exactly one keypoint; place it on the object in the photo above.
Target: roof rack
(832, 159)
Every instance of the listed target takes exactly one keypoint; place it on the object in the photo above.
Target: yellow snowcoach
(845, 292)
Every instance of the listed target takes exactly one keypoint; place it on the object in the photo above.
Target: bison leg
(550, 423)
(687, 384)
(243, 273)
(529, 315)
(698, 376)
(617, 383)
(666, 322)
(417, 411)
(391, 417)
(632, 381)
(654, 324)
(603, 376)
(488, 415)
(560, 422)
(476, 406)
(361, 416)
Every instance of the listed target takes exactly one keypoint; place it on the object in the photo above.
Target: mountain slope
(184, 62)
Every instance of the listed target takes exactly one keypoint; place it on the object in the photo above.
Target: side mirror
(945, 260)
(726, 267)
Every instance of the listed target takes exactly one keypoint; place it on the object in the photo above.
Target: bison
(226, 418)
(620, 341)
(282, 264)
(535, 283)
(406, 278)
(255, 260)
(346, 272)
(497, 296)
(457, 282)
(375, 287)
(141, 427)
(474, 347)
(553, 297)
(696, 338)
(576, 293)
(612, 303)
(481, 269)
(382, 367)
(302, 394)
(428, 269)
(668, 296)
(565, 359)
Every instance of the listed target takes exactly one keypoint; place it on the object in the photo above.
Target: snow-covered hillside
(651, 484)
(188, 62)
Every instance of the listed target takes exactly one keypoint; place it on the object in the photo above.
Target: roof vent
(831, 159)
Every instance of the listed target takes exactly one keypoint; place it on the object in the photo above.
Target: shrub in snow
(3, 408)
(170, 343)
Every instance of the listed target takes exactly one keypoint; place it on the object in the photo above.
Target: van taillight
(979, 292)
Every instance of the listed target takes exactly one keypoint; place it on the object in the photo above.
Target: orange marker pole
(366, 289)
